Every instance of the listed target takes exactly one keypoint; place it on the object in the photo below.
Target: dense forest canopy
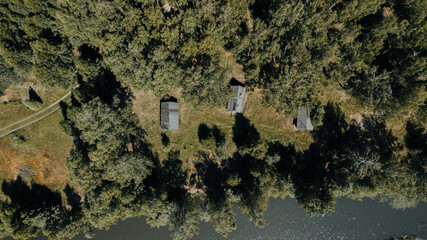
(291, 51)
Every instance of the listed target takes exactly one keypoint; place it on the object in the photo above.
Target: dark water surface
(369, 219)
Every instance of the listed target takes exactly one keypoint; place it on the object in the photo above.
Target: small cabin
(303, 119)
(237, 101)
(169, 115)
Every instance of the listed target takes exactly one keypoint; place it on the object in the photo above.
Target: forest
(291, 53)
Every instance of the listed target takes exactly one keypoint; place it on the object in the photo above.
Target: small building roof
(303, 119)
(237, 101)
(169, 115)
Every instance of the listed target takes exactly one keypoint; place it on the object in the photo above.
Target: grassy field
(352, 109)
(271, 125)
(274, 126)
(42, 146)
(147, 106)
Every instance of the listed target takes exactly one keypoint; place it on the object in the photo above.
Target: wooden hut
(169, 115)
(303, 119)
(237, 101)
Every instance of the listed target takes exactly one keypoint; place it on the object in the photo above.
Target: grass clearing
(229, 62)
(271, 125)
(11, 108)
(43, 146)
(274, 126)
(44, 151)
(147, 106)
(352, 109)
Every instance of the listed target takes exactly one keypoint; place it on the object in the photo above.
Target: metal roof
(237, 101)
(303, 119)
(169, 115)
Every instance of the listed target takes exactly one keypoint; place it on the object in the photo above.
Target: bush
(317, 111)
(406, 237)
(209, 143)
(32, 105)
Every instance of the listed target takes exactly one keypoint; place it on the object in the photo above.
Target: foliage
(9, 76)
(291, 52)
(406, 237)
(211, 138)
(32, 105)
(416, 143)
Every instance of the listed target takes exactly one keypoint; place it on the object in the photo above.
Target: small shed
(303, 119)
(169, 115)
(237, 101)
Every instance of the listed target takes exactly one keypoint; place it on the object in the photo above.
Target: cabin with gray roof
(237, 101)
(303, 119)
(169, 115)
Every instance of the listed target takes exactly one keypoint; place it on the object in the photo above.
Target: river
(365, 220)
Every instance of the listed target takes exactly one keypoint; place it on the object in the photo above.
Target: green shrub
(406, 237)
(17, 138)
(209, 143)
(317, 111)
(33, 105)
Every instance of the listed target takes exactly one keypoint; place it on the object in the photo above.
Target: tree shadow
(165, 139)
(337, 156)
(416, 142)
(213, 179)
(206, 133)
(261, 8)
(30, 198)
(73, 199)
(331, 132)
(235, 82)
(375, 136)
(218, 135)
(316, 172)
(415, 138)
(53, 38)
(168, 98)
(203, 132)
(311, 183)
(242, 174)
(106, 87)
(89, 53)
(173, 177)
(33, 96)
(284, 157)
(245, 135)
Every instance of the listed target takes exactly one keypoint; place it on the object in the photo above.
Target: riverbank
(368, 219)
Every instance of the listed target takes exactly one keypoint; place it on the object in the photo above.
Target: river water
(365, 220)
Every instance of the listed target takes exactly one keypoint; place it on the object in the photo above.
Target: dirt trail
(4, 131)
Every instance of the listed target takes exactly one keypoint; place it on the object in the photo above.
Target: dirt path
(4, 131)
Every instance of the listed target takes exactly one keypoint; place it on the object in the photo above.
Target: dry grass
(44, 151)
